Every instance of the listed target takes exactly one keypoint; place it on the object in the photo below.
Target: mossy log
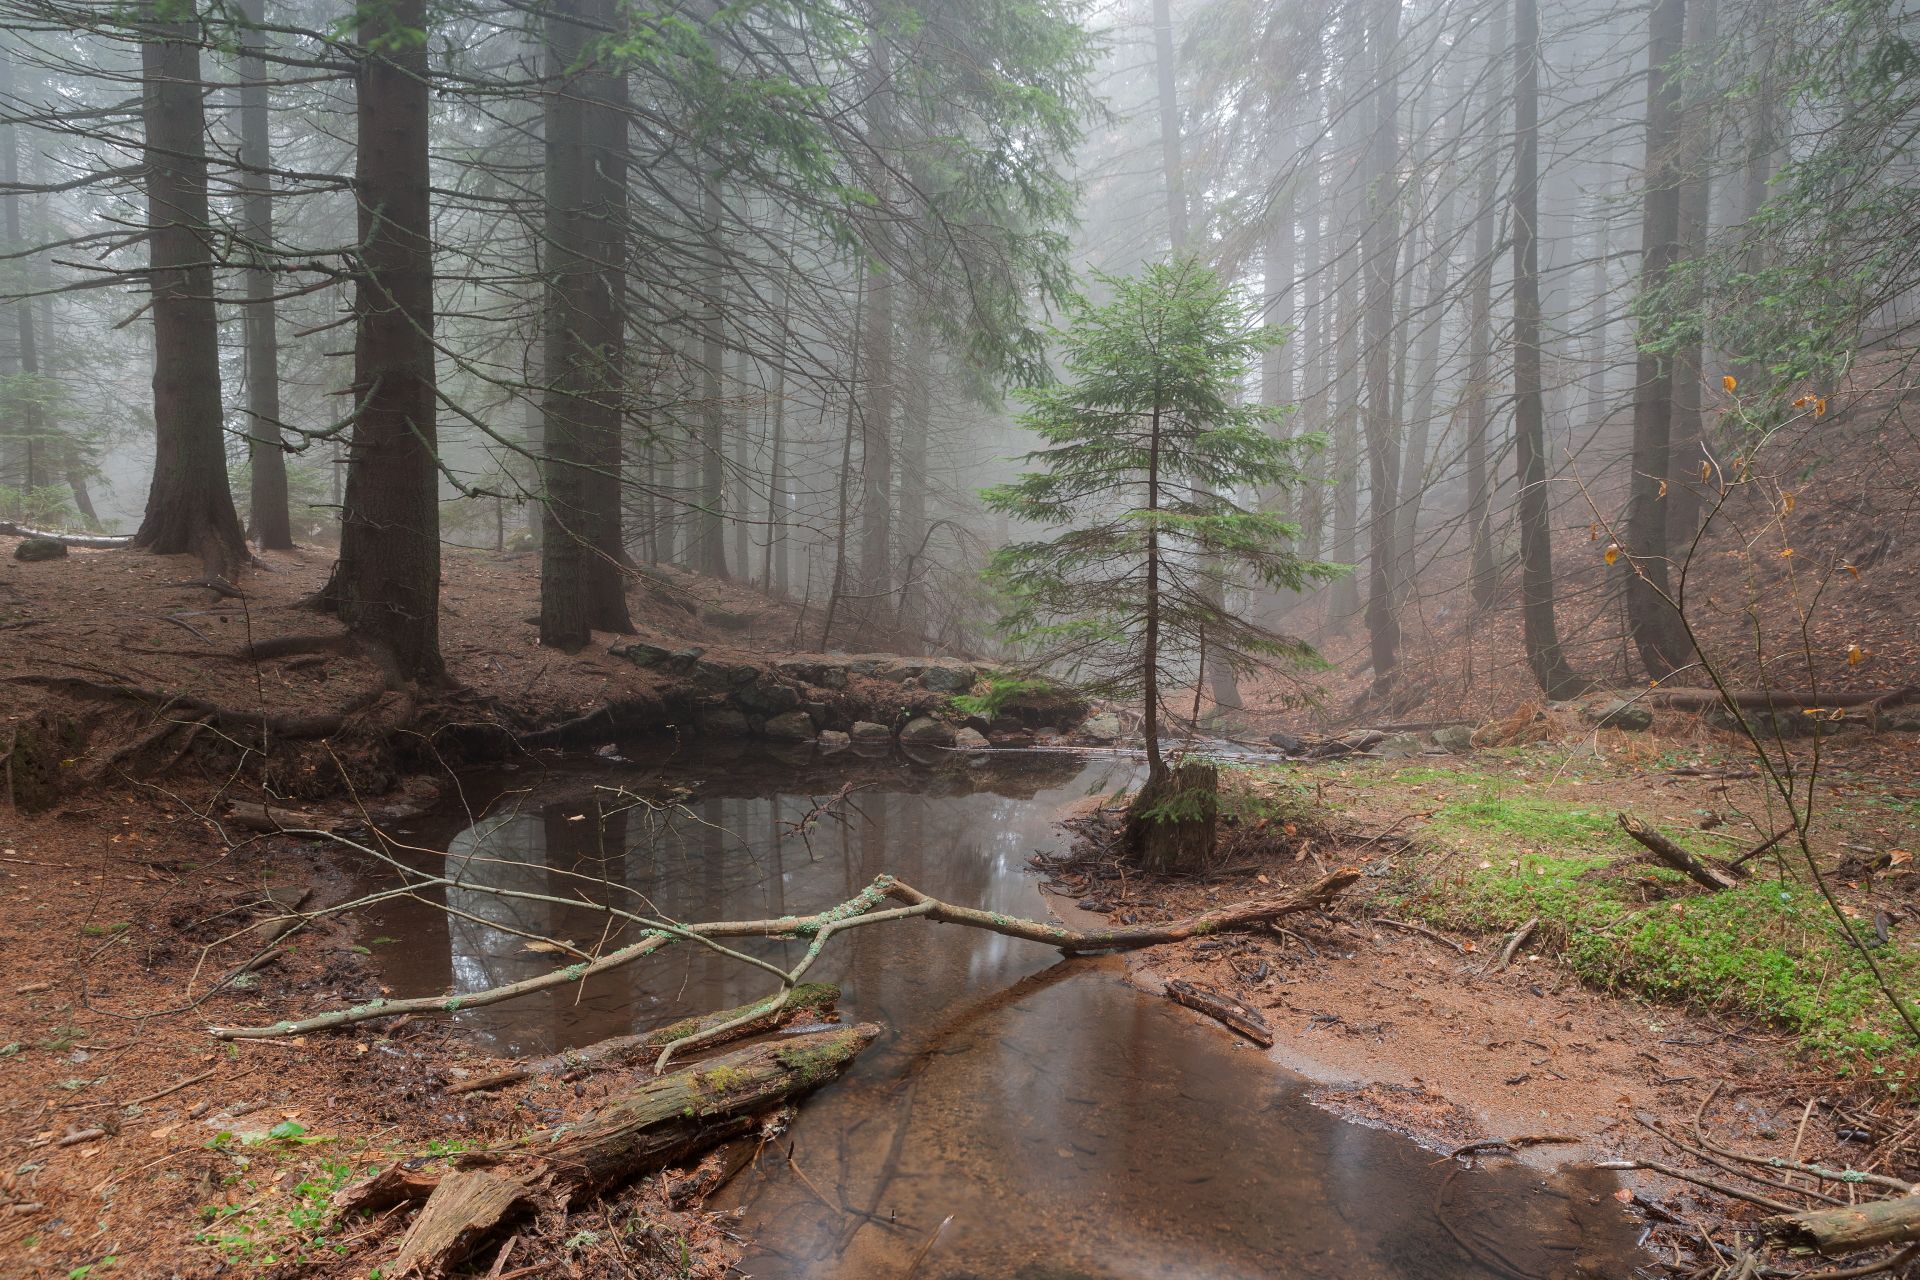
(812, 1001)
(658, 1122)
(1850, 1228)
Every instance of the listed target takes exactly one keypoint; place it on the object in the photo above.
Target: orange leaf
(1706, 471)
(1786, 553)
(1612, 552)
(1850, 569)
(1729, 382)
(1788, 499)
(1663, 488)
(1855, 655)
(1819, 406)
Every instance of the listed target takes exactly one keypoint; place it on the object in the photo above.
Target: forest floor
(135, 1145)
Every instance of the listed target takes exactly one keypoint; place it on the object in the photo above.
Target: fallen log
(1674, 856)
(265, 817)
(862, 909)
(1223, 1009)
(1771, 699)
(1851, 1227)
(103, 541)
(814, 1000)
(663, 1120)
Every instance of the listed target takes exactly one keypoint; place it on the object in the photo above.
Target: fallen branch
(1223, 1009)
(659, 1122)
(264, 817)
(1518, 940)
(1423, 931)
(862, 909)
(1674, 856)
(1762, 847)
(1511, 1144)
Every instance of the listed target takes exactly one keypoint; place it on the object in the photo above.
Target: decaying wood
(658, 1122)
(862, 909)
(689, 1188)
(1674, 856)
(1852, 1227)
(1223, 1009)
(811, 1000)
(265, 817)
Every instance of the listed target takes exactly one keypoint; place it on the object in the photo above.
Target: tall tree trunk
(267, 514)
(709, 552)
(386, 584)
(1350, 204)
(189, 507)
(1482, 573)
(1651, 620)
(1439, 238)
(1690, 444)
(582, 587)
(40, 452)
(916, 409)
(1382, 250)
(1544, 657)
(876, 357)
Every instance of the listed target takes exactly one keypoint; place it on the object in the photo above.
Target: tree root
(862, 909)
(322, 725)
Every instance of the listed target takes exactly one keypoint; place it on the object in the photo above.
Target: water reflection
(1068, 1126)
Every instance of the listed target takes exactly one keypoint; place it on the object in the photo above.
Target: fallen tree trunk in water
(813, 999)
(1852, 1227)
(1674, 856)
(663, 1120)
(863, 909)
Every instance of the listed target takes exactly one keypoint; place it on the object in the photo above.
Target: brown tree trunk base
(1172, 822)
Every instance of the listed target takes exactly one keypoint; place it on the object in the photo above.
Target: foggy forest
(1361, 554)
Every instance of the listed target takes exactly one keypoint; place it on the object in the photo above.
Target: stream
(1062, 1125)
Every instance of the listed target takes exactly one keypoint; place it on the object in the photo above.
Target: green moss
(812, 1064)
(723, 1078)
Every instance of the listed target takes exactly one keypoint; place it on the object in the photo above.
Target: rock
(868, 732)
(766, 698)
(641, 654)
(1288, 743)
(1902, 724)
(824, 673)
(793, 726)
(1618, 713)
(724, 722)
(683, 661)
(923, 731)
(40, 549)
(1398, 746)
(833, 740)
(971, 740)
(1104, 727)
(942, 676)
(1457, 738)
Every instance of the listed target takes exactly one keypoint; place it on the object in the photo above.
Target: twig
(1518, 940)
(1423, 931)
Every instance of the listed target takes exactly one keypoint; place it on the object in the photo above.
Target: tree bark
(41, 454)
(267, 515)
(876, 346)
(1690, 443)
(386, 585)
(1382, 252)
(1851, 1227)
(189, 506)
(1482, 574)
(1652, 621)
(708, 554)
(1544, 657)
(916, 409)
(582, 587)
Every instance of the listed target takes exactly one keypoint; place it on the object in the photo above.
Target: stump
(1171, 822)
